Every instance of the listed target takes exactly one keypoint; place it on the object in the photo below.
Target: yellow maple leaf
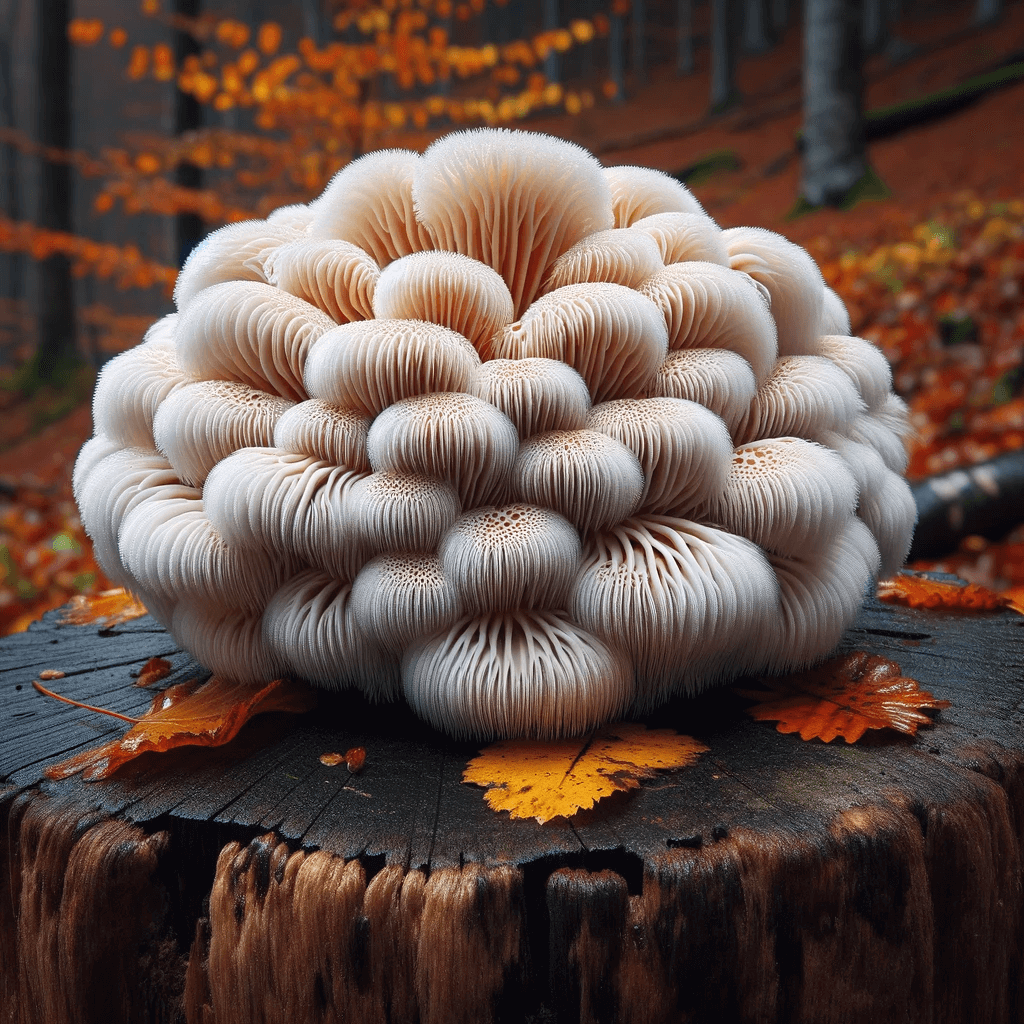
(547, 779)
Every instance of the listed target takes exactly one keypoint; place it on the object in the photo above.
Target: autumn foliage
(844, 697)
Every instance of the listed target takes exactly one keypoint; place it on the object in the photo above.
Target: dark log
(774, 880)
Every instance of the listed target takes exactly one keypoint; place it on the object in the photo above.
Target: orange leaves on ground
(153, 671)
(547, 779)
(107, 609)
(845, 697)
(918, 592)
(208, 716)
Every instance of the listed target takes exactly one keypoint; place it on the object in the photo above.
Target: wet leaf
(108, 609)
(185, 715)
(153, 671)
(332, 760)
(51, 673)
(919, 592)
(845, 697)
(547, 779)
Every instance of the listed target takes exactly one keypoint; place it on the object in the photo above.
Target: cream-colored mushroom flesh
(527, 442)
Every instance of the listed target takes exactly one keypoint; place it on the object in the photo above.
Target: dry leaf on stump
(547, 779)
(919, 592)
(845, 697)
(153, 671)
(108, 609)
(208, 716)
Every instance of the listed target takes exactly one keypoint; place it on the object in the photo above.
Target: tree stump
(774, 880)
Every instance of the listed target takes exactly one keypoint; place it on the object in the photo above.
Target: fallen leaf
(332, 760)
(355, 758)
(51, 673)
(919, 592)
(845, 697)
(184, 715)
(153, 671)
(108, 609)
(547, 779)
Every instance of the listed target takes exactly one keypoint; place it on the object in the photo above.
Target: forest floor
(933, 274)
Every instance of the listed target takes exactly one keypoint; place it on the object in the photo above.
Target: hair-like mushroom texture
(516, 673)
(536, 394)
(450, 435)
(685, 236)
(234, 252)
(335, 276)
(708, 306)
(510, 556)
(790, 275)
(108, 488)
(465, 426)
(277, 503)
(513, 200)
(820, 592)
(684, 449)
(249, 332)
(619, 256)
(670, 591)
(401, 596)
(585, 475)
(227, 641)
(131, 386)
(720, 380)
(886, 502)
(326, 432)
(373, 363)
(803, 397)
(785, 494)
(612, 335)
(639, 192)
(370, 204)
(204, 422)
(835, 318)
(310, 629)
(446, 288)
(394, 511)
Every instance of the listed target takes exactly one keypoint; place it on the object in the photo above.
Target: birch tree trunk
(834, 155)
(56, 312)
(757, 26)
(684, 37)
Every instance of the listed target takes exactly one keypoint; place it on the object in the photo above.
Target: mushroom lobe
(452, 436)
(519, 673)
(512, 556)
(639, 192)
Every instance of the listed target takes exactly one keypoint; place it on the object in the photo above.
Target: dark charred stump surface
(774, 880)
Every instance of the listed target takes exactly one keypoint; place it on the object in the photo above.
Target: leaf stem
(78, 704)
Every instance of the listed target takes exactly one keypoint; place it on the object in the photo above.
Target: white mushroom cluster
(530, 442)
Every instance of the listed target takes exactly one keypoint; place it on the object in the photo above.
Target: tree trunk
(875, 25)
(780, 17)
(56, 297)
(988, 12)
(12, 264)
(757, 26)
(684, 37)
(188, 116)
(725, 16)
(617, 55)
(549, 10)
(772, 880)
(834, 153)
(639, 40)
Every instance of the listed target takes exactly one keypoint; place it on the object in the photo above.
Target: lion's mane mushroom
(525, 440)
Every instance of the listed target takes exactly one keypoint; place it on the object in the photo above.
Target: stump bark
(774, 880)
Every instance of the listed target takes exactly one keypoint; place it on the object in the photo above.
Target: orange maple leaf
(184, 715)
(547, 779)
(106, 609)
(845, 697)
(919, 592)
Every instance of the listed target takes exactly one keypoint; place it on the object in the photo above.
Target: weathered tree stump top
(772, 880)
